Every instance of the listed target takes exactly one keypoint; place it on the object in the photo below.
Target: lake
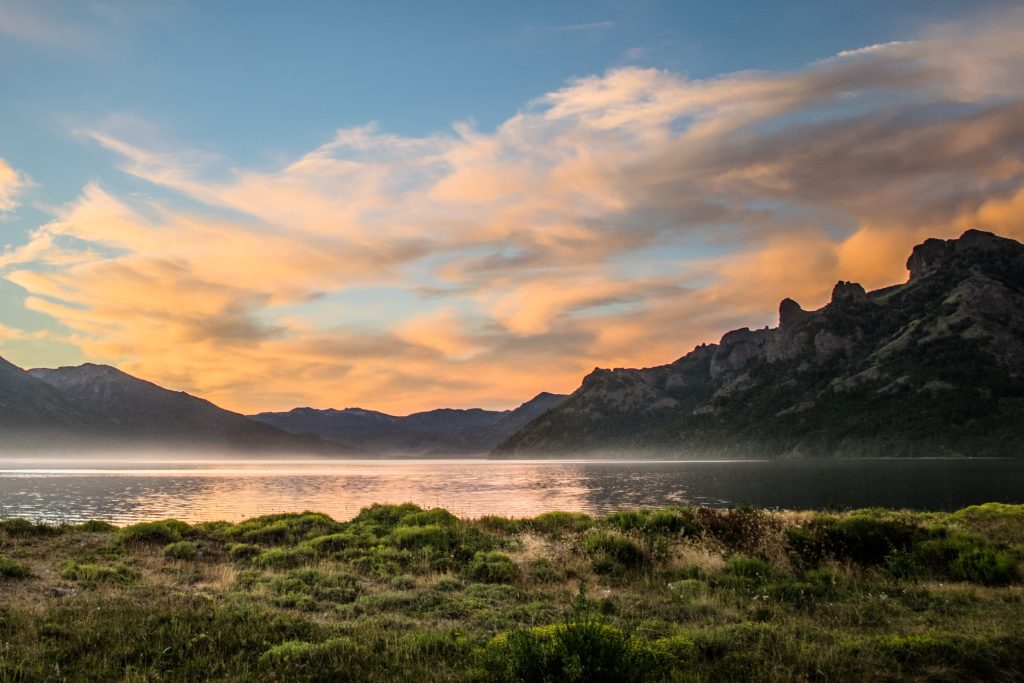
(127, 491)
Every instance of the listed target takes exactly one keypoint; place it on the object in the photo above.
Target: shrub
(244, 551)
(740, 529)
(492, 567)
(283, 528)
(557, 523)
(9, 569)
(426, 536)
(543, 570)
(434, 516)
(338, 659)
(499, 524)
(748, 567)
(681, 649)
(91, 574)
(94, 526)
(985, 565)
(182, 550)
(283, 558)
(673, 521)
(23, 527)
(333, 543)
(612, 553)
(588, 651)
(862, 538)
(382, 562)
(381, 519)
(161, 532)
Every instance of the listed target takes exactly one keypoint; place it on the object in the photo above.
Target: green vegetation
(402, 593)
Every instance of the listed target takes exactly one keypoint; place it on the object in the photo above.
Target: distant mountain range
(444, 432)
(932, 367)
(91, 407)
(99, 407)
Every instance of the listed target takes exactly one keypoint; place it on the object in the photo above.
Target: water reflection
(129, 491)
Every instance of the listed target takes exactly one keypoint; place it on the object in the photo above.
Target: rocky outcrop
(931, 366)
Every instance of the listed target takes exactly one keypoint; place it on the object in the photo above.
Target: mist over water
(124, 491)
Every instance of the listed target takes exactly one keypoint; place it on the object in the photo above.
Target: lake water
(124, 491)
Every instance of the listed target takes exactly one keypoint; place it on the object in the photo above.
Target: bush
(673, 521)
(338, 659)
(427, 536)
(162, 532)
(499, 524)
(985, 565)
(244, 551)
(613, 553)
(9, 569)
(740, 529)
(283, 529)
(557, 523)
(91, 574)
(434, 516)
(863, 539)
(589, 651)
(284, 558)
(182, 550)
(94, 526)
(543, 570)
(492, 567)
(333, 543)
(381, 519)
(23, 527)
(748, 567)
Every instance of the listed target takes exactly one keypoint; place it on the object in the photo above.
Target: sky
(405, 205)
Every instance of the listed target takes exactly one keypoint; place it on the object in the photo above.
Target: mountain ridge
(442, 431)
(932, 366)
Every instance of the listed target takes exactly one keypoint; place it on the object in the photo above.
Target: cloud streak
(12, 184)
(619, 220)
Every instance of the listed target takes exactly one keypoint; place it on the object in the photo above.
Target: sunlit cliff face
(617, 221)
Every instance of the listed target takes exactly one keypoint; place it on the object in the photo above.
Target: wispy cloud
(63, 25)
(618, 220)
(569, 28)
(12, 184)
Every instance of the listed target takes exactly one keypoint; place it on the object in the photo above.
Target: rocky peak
(790, 314)
(845, 291)
(935, 253)
(926, 257)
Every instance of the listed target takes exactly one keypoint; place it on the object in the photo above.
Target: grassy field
(405, 594)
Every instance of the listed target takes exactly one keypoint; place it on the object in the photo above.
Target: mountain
(443, 432)
(931, 367)
(126, 410)
(33, 413)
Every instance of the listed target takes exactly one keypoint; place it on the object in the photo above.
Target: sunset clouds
(11, 185)
(618, 220)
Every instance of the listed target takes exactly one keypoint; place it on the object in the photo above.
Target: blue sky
(188, 114)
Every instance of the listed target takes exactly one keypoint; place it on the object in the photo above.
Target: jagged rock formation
(440, 433)
(934, 366)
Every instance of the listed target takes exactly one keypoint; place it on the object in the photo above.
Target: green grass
(401, 593)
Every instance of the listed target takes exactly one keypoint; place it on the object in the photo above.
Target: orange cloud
(619, 220)
(11, 185)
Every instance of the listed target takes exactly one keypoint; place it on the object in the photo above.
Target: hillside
(33, 413)
(442, 432)
(931, 367)
(97, 405)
